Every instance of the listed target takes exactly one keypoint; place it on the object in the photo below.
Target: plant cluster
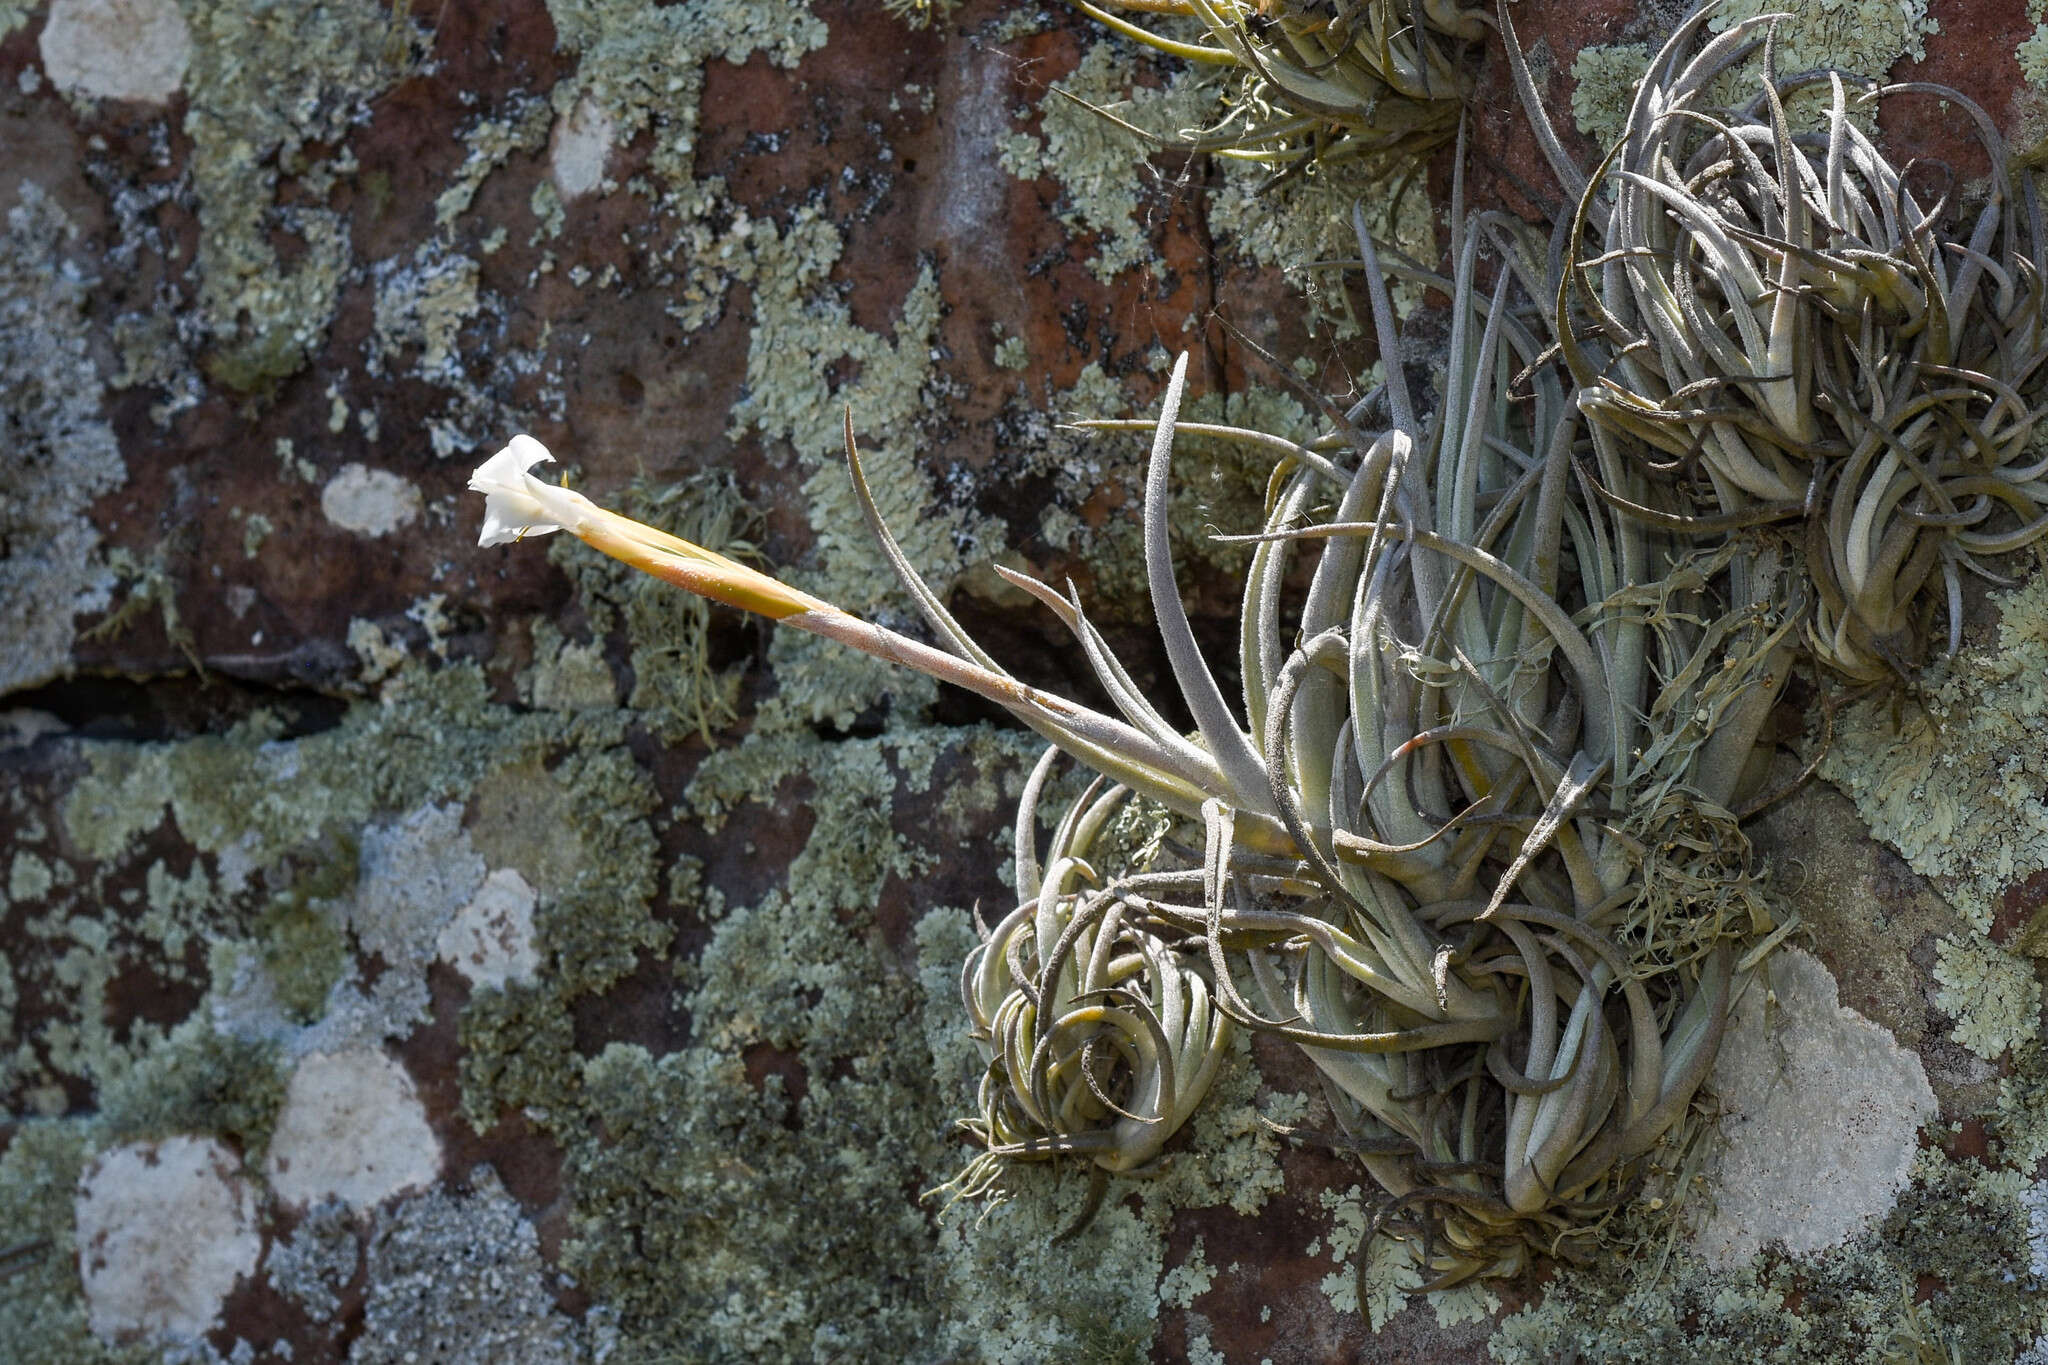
(1321, 79)
(1788, 323)
(1470, 834)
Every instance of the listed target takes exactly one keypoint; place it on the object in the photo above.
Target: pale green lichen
(1867, 37)
(1604, 78)
(256, 529)
(423, 303)
(2021, 1120)
(799, 333)
(1959, 1229)
(1304, 227)
(1015, 1299)
(567, 676)
(2033, 57)
(523, 127)
(1189, 1280)
(1098, 166)
(722, 1258)
(2034, 1199)
(1385, 1269)
(1102, 171)
(1861, 37)
(642, 63)
(268, 79)
(1953, 779)
(1992, 993)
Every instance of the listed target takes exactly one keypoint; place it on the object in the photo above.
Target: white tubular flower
(516, 503)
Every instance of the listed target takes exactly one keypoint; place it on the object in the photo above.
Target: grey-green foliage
(1475, 845)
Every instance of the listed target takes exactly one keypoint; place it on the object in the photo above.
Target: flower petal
(507, 469)
(515, 503)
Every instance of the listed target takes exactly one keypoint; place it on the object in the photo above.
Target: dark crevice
(174, 707)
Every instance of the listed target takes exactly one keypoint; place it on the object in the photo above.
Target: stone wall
(417, 952)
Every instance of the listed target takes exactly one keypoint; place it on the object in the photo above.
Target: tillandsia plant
(1461, 850)
(1470, 834)
(1323, 79)
(1790, 330)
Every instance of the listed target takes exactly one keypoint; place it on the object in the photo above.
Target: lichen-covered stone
(62, 453)
(658, 920)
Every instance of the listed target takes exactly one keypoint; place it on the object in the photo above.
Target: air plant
(1470, 834)
(1426, 855)
(1101, 1035)
(1781, 319)
(1324, 79)
(1511, 959)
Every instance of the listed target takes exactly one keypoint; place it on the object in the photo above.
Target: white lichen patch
(490, 940)
(116, 49)
(353, 1129)
(164, 1229)
(416, 874)
(1993, 994)
(371, 502)
(579, 148)
(1821, 1112)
